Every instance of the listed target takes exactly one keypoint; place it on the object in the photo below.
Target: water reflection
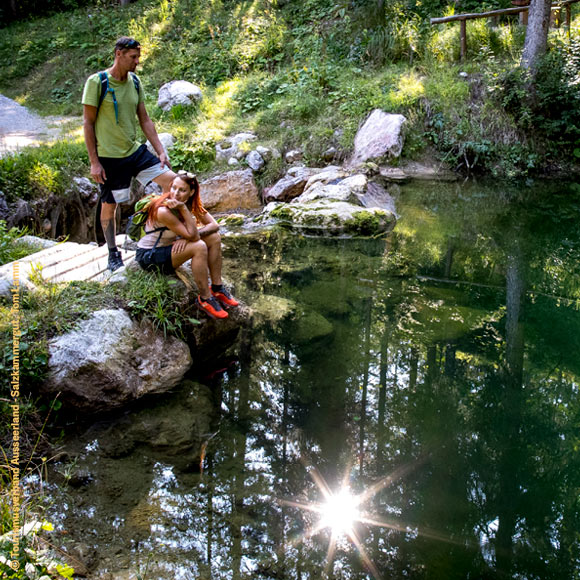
(434, 374)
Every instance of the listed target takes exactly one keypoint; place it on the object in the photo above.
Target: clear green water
(435, 374)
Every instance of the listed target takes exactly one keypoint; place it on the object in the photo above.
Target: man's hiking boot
(211, 307)
(225, 297)
(115, 261)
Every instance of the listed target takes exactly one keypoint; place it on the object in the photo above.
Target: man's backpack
(105, 88)
(136, 223)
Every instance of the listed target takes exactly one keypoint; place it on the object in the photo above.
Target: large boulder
(291, 185)
(328, 217)
(231, 190)
(109, 361)
(380, 137)
(176, 93)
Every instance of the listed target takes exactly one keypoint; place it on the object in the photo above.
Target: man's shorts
(158, 259)
(142, 165)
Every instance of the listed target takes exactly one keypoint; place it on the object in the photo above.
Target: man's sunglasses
(187, 174)
(129, 44)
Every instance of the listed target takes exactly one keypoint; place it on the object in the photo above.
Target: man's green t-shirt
(115, 139)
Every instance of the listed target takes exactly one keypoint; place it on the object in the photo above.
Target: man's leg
(165, 180)
(108, 211)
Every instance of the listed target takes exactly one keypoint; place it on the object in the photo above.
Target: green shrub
(10, 249)
(38, 171)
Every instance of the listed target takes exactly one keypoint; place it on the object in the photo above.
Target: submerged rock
(309, 326)
(109, 361)
(269, 309)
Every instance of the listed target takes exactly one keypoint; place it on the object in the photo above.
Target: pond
(400, 408)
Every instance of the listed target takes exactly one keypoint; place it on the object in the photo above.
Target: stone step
(66, 262)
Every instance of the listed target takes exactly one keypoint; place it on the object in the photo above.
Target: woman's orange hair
(193, 203)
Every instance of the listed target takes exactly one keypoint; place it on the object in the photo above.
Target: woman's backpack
(136, 223)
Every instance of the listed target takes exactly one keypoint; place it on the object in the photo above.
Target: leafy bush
(39, 171)
(10, 250)
(550, 106)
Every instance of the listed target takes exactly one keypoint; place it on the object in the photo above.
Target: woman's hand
(174, 204)
(179, 245)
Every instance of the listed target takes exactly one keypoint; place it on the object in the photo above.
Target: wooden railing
(463, 18)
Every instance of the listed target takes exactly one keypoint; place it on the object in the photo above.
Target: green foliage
(197, 155)
(10, 248)
(37, 172)
(158, 298)
(548, 107)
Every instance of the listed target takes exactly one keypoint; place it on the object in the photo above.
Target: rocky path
(19, 127)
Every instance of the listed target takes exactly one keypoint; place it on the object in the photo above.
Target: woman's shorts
(155, 260)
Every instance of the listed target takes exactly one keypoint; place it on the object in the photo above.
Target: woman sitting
(173, 235)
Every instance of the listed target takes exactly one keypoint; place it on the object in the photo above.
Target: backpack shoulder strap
(104, 87)
(136, 82)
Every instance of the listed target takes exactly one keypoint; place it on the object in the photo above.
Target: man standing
(113, 102)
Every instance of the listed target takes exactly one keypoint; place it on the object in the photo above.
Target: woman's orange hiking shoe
(225, 297)
(211, 307)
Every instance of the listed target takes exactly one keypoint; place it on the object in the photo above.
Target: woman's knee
(197, 248)
(213, 239)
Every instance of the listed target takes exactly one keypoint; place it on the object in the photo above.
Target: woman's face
(180, 190)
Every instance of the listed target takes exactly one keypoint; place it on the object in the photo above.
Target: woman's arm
(210, 226)
(185, 229)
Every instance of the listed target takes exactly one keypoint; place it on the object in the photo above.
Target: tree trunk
(536, 33)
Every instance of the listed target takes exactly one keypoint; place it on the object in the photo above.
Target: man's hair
(126, 43)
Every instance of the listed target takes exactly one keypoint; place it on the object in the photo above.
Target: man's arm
(150, 132)
(89, 120)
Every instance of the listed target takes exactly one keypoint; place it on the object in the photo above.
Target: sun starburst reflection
(342, 512)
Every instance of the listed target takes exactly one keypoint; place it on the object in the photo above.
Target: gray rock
(294, 156)
(21, 212)
(88, 190)
(36, 241)
(266, 153)
(4, 211)
(344, 190)
(380, 136)
(420, 172)
(230, 147)
(377, 196)
(287, 188)
(231, 190)
(178, 92)
(109, 361)
(168, 142)
(329, 154)
(255, 161)
(232, 162)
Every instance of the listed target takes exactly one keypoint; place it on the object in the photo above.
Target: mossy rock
(326, 217)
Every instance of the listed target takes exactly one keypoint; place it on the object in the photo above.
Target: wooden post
(568, 15)
(463, 52)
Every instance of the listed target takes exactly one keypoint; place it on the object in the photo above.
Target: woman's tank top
(148, 240)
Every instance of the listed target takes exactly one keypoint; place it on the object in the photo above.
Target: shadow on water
(434, 373)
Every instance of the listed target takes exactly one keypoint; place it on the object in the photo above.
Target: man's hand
(98, 173)
(164, 160)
